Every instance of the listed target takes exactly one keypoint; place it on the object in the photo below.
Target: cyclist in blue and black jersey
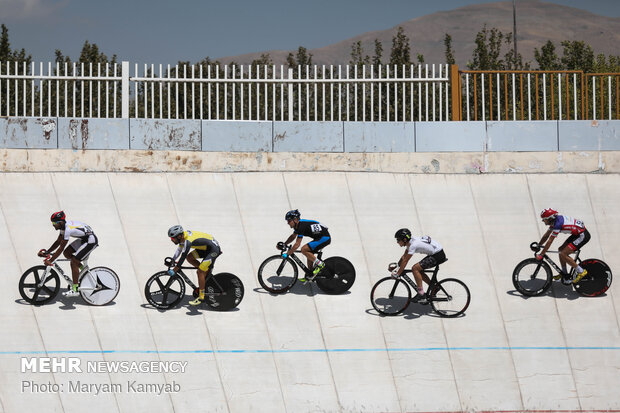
(307, 228)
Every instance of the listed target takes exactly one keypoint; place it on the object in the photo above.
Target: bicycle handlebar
(535, 246)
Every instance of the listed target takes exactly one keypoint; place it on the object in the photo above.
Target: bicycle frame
(411, 282)
(207, 278)
(83, 272)
(301, 265)
(549, 261)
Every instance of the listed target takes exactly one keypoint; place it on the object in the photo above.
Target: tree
(578, 56)
(401, 50)
(447, 41)
(302, 58)
(487, 52)
(357, 55)
(546, 58)
(376, 60)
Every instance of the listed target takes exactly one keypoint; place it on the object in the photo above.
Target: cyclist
(578, 238)
(425, 245)
(205, 247)
(79, 249)
(312, 229)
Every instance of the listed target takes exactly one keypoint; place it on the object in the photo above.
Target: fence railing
(537, 95)
(305, 93)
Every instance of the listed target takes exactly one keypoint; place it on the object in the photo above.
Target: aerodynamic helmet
(548, 213)
(175, 231)
(403, 234)
(293, 213)
(58, 216)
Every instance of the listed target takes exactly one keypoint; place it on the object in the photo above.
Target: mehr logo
(51, 365)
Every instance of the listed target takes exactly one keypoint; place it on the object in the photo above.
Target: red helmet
(58, 216)
(548, 213)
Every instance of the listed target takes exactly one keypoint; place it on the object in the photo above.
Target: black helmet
(175, 231)
(58, 216)
(293, 213)
(403, 234)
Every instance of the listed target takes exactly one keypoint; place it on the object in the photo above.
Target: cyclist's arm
(290, 239)
(402, 263)
(55, 244)
(296, 245)
(551, 237)
(61, 247)
(187, 246)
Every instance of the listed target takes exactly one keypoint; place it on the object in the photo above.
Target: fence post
(290, 94)
(125, 89)
(455, 85)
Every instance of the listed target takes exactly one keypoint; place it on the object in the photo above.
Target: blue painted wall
(266, 136)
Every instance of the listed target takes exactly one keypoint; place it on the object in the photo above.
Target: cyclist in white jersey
(86, 241)
(424, 245)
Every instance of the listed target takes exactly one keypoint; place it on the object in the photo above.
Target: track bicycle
(278, 274)
(223, 291)
(532, 277)
(40, 284)
(448, 298)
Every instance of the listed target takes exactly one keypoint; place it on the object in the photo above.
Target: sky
(165, 31)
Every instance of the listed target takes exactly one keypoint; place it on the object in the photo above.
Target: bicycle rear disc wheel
(223, 291)
(164, 291)
(337, 277)
(532, 277)
(390, 296)
(29, 287)
(598, 279)
(101, 287)
(277, 275)
(450, 298)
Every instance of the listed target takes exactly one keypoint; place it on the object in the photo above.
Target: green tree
(447, 42)
(357, 55)
(486, 55)
(578, 56)
(401, 49)
(302, 58)
(547, 58)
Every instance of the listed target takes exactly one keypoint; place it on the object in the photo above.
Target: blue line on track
(318, 350)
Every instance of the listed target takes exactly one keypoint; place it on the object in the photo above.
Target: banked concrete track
(306, 351)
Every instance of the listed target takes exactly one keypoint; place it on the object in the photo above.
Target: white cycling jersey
(423, 245)
(76, 229)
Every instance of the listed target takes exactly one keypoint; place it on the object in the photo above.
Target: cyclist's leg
(315, 246)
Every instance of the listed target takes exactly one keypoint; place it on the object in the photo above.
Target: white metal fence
(309, 93)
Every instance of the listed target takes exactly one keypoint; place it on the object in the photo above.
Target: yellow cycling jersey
(191, 236)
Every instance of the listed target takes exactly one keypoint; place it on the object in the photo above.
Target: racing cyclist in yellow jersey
(204, 246)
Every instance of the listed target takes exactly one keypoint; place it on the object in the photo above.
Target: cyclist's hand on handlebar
(47, 262)
(394, 273)
(538, 257)
(42, 253)
(171, 272)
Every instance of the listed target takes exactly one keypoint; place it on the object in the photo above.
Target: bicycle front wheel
(532, 277)
(390, 296)
(224, 291)
(449, 298)
(277, 275)
(99, 287)
(36, 292)
(164, 291)
(337, 276)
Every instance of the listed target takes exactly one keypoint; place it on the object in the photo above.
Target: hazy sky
(158, 31)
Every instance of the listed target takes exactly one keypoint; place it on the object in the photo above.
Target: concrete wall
(335, 137)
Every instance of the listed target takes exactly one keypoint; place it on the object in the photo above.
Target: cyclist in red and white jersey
(579, 236)
(86, 241)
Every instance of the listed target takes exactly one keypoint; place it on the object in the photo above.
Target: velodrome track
(306, 351)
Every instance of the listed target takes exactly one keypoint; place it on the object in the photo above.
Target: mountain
(537, 22)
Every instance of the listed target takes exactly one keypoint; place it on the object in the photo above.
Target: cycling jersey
(203, 243)
(76, 229)
(567, 225)
(423, 245)
(312, 229)
(86, 240)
